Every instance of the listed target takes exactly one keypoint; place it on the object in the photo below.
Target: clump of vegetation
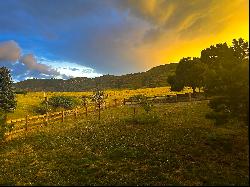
(58, 103)
(42, 108)
(66, 102)
(221, 111)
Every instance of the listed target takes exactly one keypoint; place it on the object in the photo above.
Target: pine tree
(7, 95)
(7, 100)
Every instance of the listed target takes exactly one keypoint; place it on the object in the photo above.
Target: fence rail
(23, 124)
(170, 98)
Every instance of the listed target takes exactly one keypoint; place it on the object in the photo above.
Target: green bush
(221, 111)
(58, 103)
(41, 108)
(66, 102)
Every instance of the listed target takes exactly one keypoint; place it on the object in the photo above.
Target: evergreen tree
(7, 100)
(7, 95)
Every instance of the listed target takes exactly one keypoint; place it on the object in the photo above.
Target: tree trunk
(99, 111)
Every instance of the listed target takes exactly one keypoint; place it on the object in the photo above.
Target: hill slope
(154, 77)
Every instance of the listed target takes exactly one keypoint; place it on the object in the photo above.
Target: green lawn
(175, 146)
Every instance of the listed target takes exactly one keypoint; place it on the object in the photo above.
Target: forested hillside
(154, 77)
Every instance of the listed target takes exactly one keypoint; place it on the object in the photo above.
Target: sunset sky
(87, 38)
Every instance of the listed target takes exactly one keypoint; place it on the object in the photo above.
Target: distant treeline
(155, 77)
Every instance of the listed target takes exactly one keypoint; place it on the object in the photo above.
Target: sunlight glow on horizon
(69, 69)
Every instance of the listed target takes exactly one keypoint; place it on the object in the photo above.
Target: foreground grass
(178, 147)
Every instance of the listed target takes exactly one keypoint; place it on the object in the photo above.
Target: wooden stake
(47, 118)
(99, 111)
(63, 116)
(76, 113)
(26, 122)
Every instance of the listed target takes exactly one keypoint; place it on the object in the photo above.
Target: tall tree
(227, 80)
(189, 72)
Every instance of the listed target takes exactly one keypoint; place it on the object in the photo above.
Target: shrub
(58, 103)
(66, 102)
(41, 108)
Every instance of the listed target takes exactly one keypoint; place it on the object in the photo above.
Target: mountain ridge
(154, 77)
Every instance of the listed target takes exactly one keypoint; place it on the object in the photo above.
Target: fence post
(175, 97)
(76, 113)
(124, 101)
(134, 111)
(189, 96)
(47, 118)
(26, 122)
(63, 116)
(99, 111)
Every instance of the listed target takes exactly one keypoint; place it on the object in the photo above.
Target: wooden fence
(170, 98)
(29, 122)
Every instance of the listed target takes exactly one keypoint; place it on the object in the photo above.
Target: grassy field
(26, 103)
(174, 145)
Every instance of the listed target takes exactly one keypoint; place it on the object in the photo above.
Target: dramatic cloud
(182, 17)
(118, 36)
(10, 56)
(9, 51)
(30, 61)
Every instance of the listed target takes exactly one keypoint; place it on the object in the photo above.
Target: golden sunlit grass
(181, 147)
